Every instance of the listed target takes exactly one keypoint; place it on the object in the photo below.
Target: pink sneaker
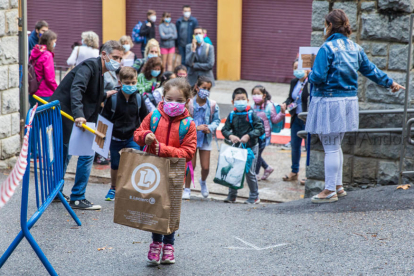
(168, 254)
(154, 253)
(267, 172)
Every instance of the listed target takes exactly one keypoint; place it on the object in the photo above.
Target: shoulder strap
(207, 49)
(138, 101)
(184, 127)
(113, 104)
(250, 115)
(155, 119)
(77, 56)
(231, 116)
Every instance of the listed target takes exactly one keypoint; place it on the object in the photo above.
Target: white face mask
(153, 18)
(187, 14)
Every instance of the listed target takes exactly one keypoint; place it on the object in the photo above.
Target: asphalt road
(367, 233)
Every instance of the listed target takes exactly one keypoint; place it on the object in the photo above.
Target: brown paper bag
(148, 192)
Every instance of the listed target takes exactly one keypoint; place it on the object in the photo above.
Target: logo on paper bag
(145, 178)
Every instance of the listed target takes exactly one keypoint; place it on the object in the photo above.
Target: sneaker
(230, 200)
(252, 201)
(168, 254)
(154, 253)
(84, 204)
(57, 199)
(186, 193)
(101, 160)
(111, 195)
(204, 189)
(267, 172)
(287, 147)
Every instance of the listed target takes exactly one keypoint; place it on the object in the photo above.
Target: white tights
(334, 159)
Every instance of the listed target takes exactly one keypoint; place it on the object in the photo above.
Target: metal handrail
(303, 133)
(303, 115)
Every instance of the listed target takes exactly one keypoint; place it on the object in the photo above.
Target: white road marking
(254, 247)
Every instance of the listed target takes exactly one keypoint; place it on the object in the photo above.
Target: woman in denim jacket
(334, 106)
(206, 115)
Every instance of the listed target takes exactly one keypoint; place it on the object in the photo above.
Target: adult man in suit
(199, 58)
(81, 93)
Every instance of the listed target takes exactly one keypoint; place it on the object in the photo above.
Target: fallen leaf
(94, 219)
(102, 248)
(135, 242)
(404, 187)
(74, 227)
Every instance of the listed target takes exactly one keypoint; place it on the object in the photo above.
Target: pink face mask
(174, 109)
(257, 99)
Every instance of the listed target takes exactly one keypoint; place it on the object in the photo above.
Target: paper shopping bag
(231, 167)
(148, 191)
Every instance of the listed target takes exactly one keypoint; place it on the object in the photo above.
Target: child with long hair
(206, 115)
(266, 110)
(149, 80)
(165, 142)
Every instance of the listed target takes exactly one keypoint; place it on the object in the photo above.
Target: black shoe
(101, 160)
(57, 199)
(84, 204)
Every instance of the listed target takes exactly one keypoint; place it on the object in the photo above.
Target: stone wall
(381, 27)
(9, 83)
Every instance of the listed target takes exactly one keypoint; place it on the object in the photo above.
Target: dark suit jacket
(305, 96)
(81, 93)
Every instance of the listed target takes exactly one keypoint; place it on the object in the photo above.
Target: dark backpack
(33, 82)
(114, 100)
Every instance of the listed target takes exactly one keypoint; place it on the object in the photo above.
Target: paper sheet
(80, 143)
(305, 57)
(105, 127)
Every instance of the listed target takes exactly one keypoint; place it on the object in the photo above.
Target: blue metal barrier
(47, 156)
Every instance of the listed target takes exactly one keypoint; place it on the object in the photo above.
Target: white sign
(80, 143)
(105, 127)
(49, 132)
(148, 178)
(307, 56)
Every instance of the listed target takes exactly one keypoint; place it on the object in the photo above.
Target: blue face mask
(240, 105)
(324, 31)
(152, 55)
(127, 47)
(199, 38)
(203, 93)
(167, 20)
(129, 89)
(155, 73)
(111, 65)
(54, 44)
(299, 73)
(83, 43)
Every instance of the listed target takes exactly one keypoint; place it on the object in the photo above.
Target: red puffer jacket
(167, 134)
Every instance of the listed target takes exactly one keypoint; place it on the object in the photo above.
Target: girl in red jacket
(165, 142)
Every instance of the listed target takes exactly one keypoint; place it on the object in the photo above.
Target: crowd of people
(132, 92)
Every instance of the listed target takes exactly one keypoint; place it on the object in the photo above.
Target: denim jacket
(335, 68)
(212, 122)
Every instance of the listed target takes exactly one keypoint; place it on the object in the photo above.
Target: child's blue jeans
(166, 239)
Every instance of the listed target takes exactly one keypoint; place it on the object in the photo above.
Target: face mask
(155, 73)
(187, 14)
(54, 44)
(152, 18)
(324, 31)
(240, 105)
(150, 55)
(199, 38)
(126, 47)
(129, 89)
(83, 43)
(111, 65)
(174, 109)
(167, 20)
(203, 93)
(299, 73)
(182, 76)
(257, 99)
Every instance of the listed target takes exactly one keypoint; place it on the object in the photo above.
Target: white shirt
(85, 52)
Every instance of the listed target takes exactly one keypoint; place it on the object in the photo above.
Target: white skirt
(332, 115)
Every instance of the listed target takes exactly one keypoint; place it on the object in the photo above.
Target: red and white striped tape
(8, 187)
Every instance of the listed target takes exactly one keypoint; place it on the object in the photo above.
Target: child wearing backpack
(168, 131)
(244, 126)
(266, 110)
(126, 110)
(206, 115)
(149, 80)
